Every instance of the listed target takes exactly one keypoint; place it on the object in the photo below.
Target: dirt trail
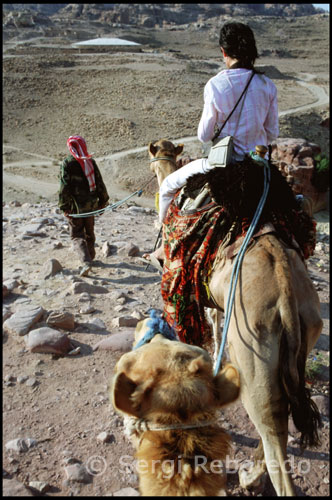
(319, 93)
(49, 188)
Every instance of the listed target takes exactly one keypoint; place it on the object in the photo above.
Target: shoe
(85, 269)
(153, 261)
(97, 263)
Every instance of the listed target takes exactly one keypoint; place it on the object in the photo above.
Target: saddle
(200, 198)
(238, 188)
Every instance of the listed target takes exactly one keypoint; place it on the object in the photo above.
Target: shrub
(321, 176)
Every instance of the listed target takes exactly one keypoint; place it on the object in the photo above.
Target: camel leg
(263, 401)
(251, 477)
(214, 317)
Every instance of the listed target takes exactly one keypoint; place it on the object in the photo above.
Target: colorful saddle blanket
(192, 239)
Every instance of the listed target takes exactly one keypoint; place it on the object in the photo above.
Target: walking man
(82, 190)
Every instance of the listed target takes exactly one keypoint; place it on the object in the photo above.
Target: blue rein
(240, 255)
(157, 325)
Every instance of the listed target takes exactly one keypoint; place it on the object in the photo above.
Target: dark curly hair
(238, 41)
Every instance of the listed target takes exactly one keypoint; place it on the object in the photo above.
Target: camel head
(167, 377)
(163, 149)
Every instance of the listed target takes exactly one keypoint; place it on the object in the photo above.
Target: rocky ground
(62, 401)
(120, 102)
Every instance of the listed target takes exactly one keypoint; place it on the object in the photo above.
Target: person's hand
(66, 214)
(181, 162)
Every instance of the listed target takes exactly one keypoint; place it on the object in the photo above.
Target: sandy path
(316, 90)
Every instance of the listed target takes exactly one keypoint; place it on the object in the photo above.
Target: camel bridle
(166, 158)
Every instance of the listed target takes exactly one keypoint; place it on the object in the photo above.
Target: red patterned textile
(191, 243)
(78, 148)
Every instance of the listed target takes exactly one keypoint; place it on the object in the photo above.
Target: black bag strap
(228, 117)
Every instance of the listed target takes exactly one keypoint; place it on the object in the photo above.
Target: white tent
(104, 41)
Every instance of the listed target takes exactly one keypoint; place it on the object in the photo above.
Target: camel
(168, 394)
(275, 323)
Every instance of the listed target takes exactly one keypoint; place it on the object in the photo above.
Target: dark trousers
(83, 236)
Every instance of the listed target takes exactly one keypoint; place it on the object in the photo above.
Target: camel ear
(152, 149)
(198, 365)
(121, 394)
(227, 384)
(178, 149)
(130, 397)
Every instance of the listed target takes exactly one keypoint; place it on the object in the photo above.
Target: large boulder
(48, 340)
(22, 320)
(295, 159)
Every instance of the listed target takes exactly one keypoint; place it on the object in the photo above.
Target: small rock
(15, 203)
(64, 320)
(120, 308)
(56, 244)
(71, 460)
(22, 378)
(96, 323)
(128, 321)
(137, 315)
(133, 250)
(105, 437)
(323, 404)
(51, 268)
(126, 492)
(291, 427)
(81, 287)
(128, 249)
(108, 249)
(40, 486)
(139, 210)
(6, 313)
(21, 444)
(87, 309)
(84, 297)
(122, 342)
(10, 378)
(31, 382)
(77, 472)
(11, 284)
(9, 384)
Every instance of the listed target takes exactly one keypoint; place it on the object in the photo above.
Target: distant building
(104, 42)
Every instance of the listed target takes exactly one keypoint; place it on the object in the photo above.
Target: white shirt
(258, 122)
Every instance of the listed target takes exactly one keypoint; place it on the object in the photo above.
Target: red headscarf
(77, 147)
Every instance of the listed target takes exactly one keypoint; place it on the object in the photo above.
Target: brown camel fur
(168, 383)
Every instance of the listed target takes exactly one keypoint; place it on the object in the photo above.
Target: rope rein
(141, 425)
(119, 203)
(157, 326)
(240, 255)
(115, 205)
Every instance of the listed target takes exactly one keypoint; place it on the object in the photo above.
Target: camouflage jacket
(74, 193)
